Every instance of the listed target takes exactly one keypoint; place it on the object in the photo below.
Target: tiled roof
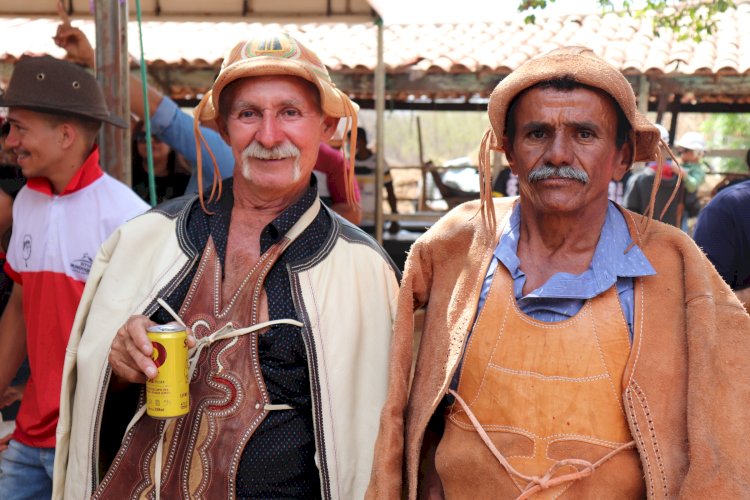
(492, 48)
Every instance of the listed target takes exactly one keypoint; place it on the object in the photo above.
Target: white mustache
(564, 172)
(280, 152)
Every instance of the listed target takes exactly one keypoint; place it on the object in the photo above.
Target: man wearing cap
(570, 348)
(690, 148)
(68, 207)
(286, 408)
(673, 199)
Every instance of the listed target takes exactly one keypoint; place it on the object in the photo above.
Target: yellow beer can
(168, 394)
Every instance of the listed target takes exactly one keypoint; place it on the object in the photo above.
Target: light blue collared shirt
(175, 128)
(564, 294)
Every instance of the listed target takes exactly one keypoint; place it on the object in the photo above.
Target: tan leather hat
(585, 67)
(55, 86)
(276, 54)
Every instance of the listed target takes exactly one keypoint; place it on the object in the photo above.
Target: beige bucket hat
(585, 67)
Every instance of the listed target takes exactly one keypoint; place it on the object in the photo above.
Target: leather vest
(539, 409)
(200, 451)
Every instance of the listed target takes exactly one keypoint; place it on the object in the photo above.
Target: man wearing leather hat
(599, 354)
(68, 207)
(290, 306)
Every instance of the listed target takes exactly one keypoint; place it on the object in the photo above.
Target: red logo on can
(159, 354)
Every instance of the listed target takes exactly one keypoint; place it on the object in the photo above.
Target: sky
(453, 11)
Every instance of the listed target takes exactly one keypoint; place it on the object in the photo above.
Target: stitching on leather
(494, 348)
(590, 378)
(606, 367)
(639, 436)
(639, 283)
(491, 427)
(560, 438)
(577, 317)
(303, 281)
(652, 430)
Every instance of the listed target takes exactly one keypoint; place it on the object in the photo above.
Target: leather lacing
(226, 332)
(535, 484)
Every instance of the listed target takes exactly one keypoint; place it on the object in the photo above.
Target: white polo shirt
(54, 242)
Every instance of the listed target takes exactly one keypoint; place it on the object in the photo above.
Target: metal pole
(379, 133)
(111, 18)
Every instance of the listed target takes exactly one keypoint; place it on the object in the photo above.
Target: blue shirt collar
(608, 264)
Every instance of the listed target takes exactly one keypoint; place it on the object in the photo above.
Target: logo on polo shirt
(82, 265)
(26, 248)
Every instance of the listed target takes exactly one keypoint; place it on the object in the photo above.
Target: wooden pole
(111, 18)
(379, 134)
(423, 194)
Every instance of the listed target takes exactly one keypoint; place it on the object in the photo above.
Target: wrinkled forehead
(259, 88)
(579, 103)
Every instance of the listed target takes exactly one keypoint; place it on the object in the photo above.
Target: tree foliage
(729, 131)
(688, 19)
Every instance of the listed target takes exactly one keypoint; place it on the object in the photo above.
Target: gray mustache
(565, 172)
(256, 150)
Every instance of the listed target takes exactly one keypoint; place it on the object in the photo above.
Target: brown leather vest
(228, 398)
(547, 398)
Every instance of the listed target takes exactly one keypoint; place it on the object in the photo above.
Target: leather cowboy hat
(276, 54)
(55, 86)
(585, 67)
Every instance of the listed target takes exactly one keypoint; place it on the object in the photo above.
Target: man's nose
(270, 132)
(560, 151)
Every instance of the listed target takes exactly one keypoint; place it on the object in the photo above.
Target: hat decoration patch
(280, 45)
(283, 46)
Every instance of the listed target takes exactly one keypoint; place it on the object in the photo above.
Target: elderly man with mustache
(289, 305)
(570, 348)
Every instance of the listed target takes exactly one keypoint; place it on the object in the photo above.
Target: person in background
(506, 183)
(365, 165)
(175, 128)
(291, 308)
(11, 181)
(67, 208)
(171, 175)
(571, 348)
(723, 232)
(640, 186)
(690, 149)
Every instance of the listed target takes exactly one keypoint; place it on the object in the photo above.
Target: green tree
(688, 19)
(729, 131)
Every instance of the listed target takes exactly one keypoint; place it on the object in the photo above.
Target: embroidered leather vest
(539, 409)
(201, 451)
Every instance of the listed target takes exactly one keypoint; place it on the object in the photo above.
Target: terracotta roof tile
(491, 47)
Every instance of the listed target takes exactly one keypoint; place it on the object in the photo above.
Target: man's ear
(328, 127)
(67, 135)
(624, 162)
(221, 128)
